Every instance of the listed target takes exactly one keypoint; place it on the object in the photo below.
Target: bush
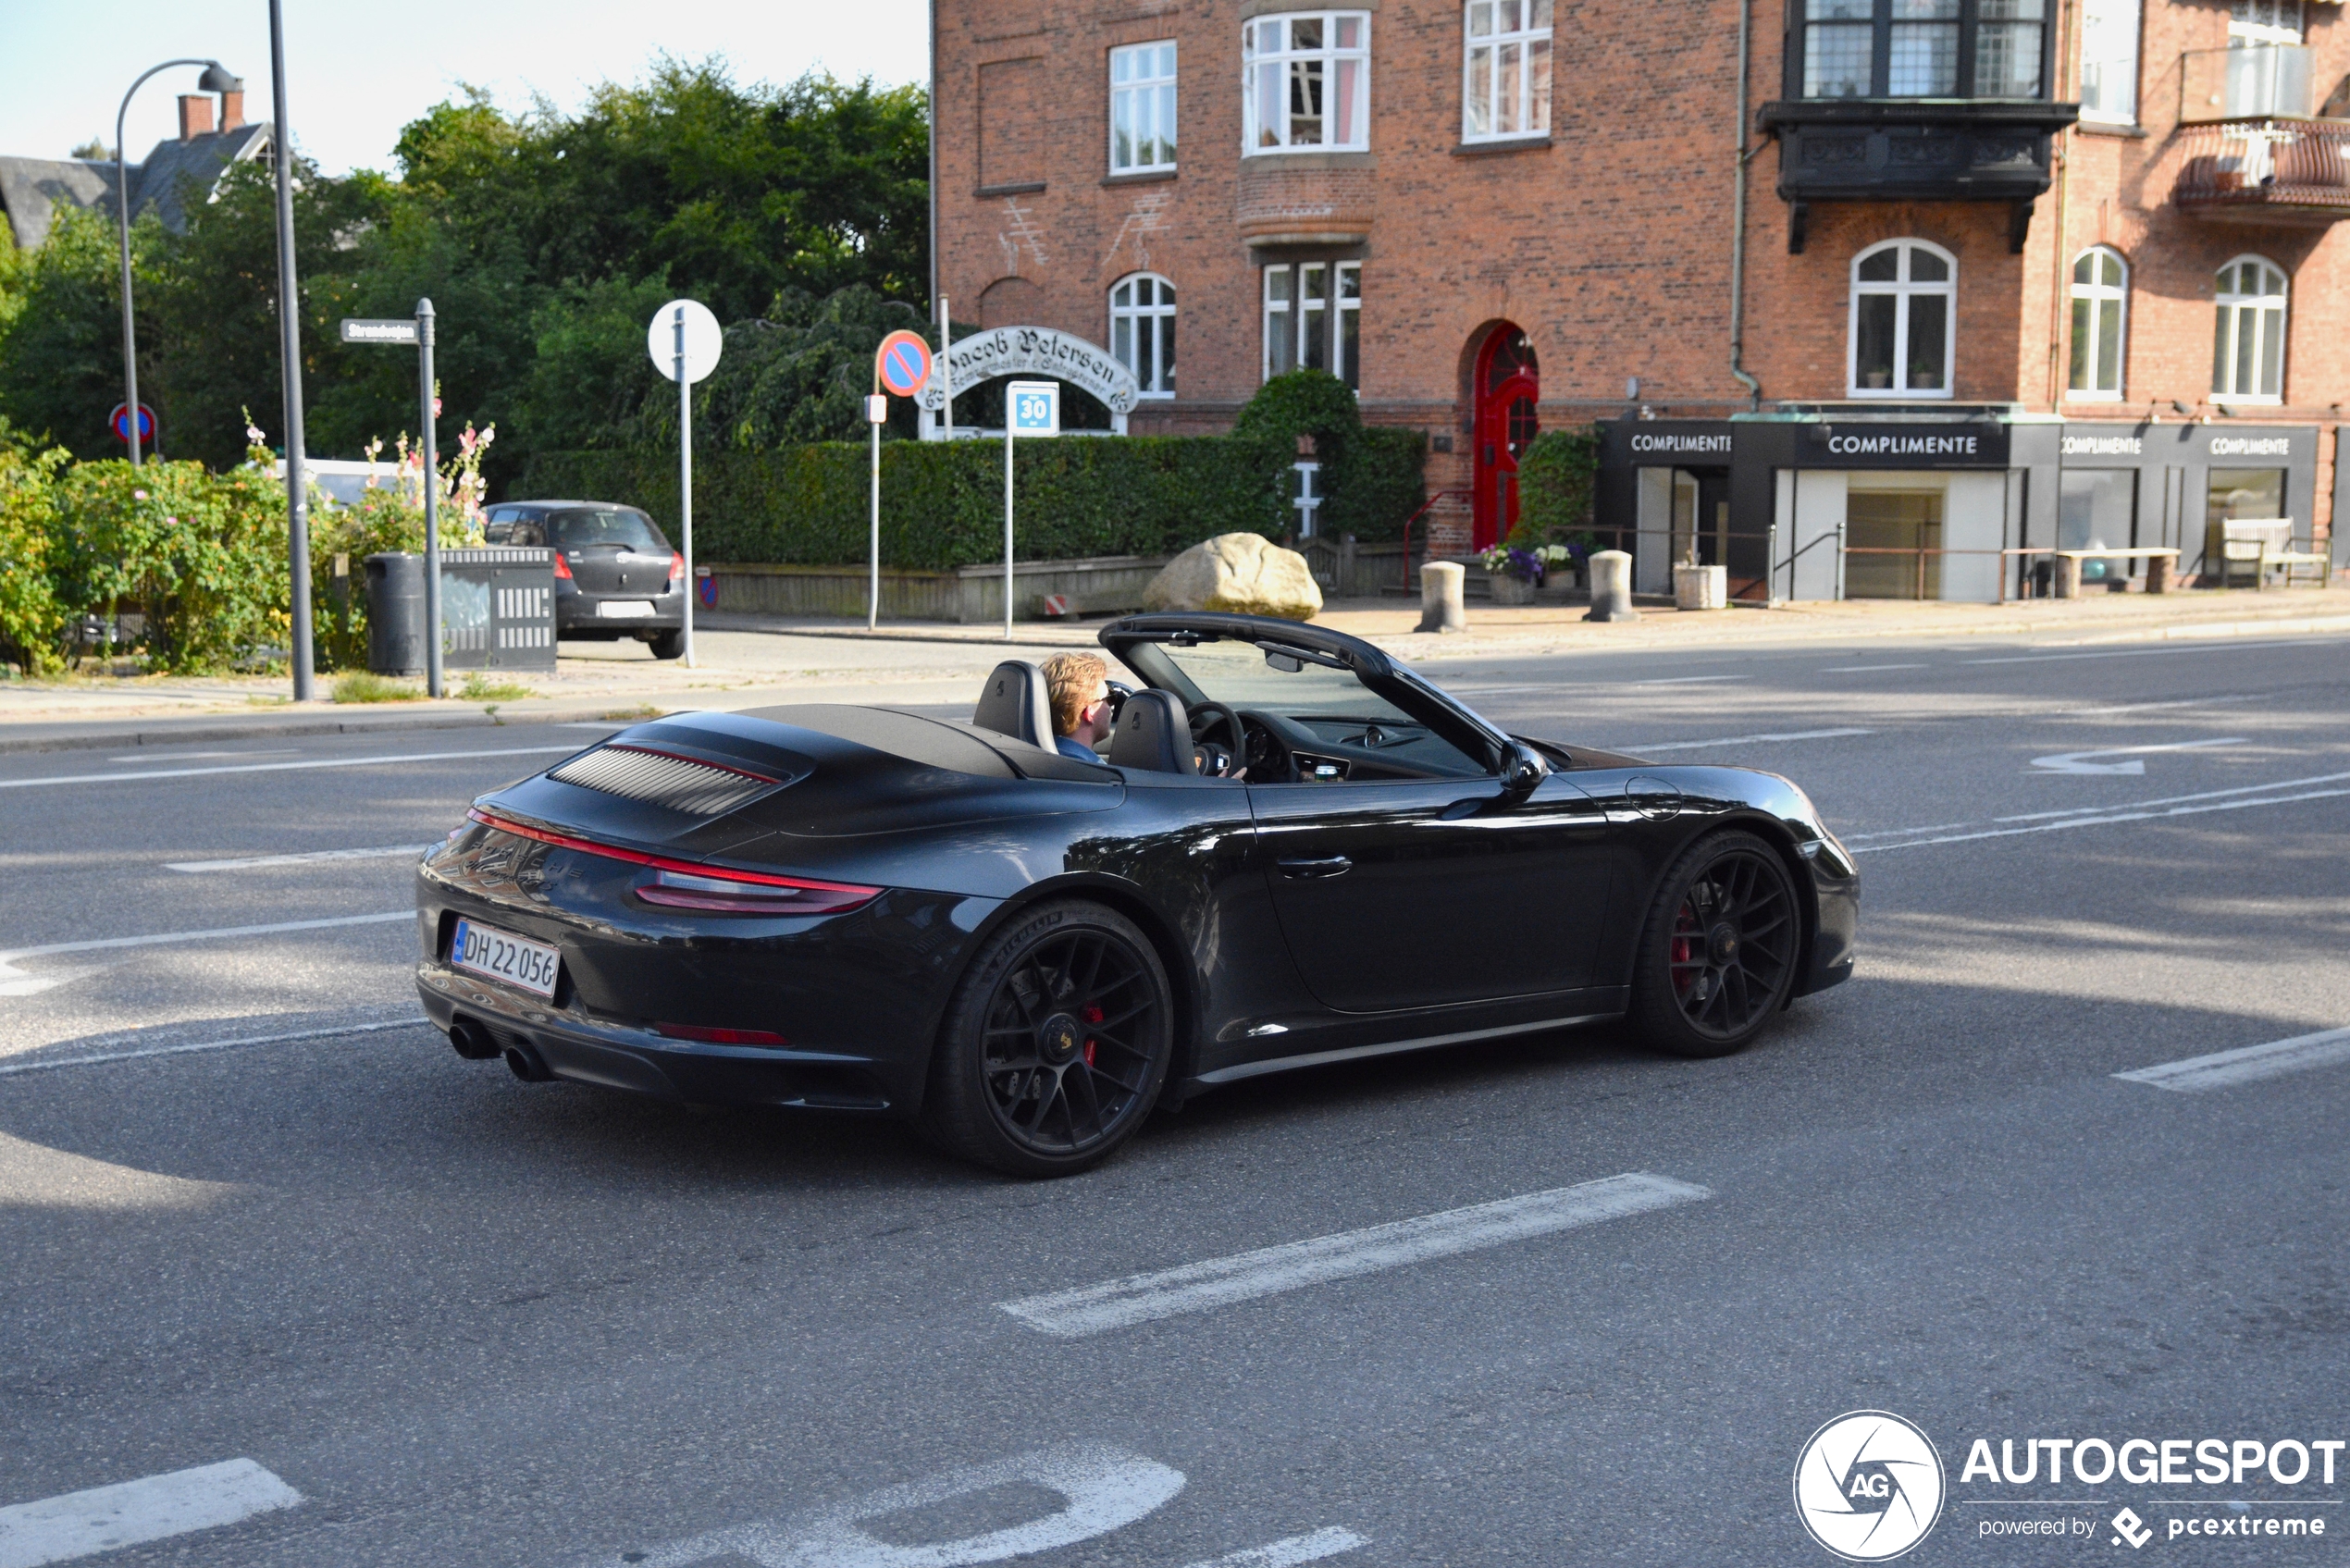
(30, 616)
(1555, 482)
(1371, 476)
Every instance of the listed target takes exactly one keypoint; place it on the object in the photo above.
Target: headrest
(1017, 701)
(1153, 736)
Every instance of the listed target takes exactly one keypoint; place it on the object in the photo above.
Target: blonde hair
(1072, 677)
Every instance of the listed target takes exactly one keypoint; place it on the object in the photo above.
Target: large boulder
(1240, 572)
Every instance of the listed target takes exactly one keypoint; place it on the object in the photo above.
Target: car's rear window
(583, 528)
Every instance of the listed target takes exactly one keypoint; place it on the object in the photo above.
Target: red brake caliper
(1093, 1015)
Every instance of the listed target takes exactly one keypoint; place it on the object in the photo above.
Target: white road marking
(253, 862)
(1288, 1552)
(2141, 707)
(1739, 740)
(2247, 1064)
(2163, 800)
(2105, 819)
(1849, 838)
(193, 1046)
(162, 938)
(1119, 1303)
(200, 756)
(59, 1529)
(2247, 646)
(1867, 669)
(2078, 761)
(1688, 679)
(1488, 691)
(283, 767)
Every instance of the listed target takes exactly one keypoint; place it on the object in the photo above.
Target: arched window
(1142, 330)
(2247, 332)
(2100, 313)
(1904, 321)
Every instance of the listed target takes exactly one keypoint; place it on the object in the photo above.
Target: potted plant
(1516, 573)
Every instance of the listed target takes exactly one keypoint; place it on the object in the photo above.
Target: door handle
(1301, 870)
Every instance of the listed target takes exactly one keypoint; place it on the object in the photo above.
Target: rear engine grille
(681, 783)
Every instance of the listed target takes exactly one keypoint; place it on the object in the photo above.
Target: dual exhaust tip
(473, 1041)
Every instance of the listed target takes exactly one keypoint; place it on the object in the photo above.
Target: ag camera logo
(1869, 1486)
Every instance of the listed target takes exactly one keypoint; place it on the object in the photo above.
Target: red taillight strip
(681, 756)
(638, 858)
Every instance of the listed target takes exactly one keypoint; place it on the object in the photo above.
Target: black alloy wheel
(1056, 1045)
(1717, 956)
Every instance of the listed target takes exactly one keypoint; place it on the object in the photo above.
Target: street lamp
(215, 79)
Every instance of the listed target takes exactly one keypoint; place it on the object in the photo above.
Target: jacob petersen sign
(1035, 351)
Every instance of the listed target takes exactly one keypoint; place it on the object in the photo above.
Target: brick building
(1920, 275)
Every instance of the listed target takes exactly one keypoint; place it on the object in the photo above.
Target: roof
(32, 189)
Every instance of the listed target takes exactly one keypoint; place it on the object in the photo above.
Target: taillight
(742, 895)
(562, 567)
(677, 567)
(719, 1036)
(684, 885)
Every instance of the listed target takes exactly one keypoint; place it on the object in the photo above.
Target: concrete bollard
(1612, 587)
(2158, 573)
(2068, 577)
(1441, 606)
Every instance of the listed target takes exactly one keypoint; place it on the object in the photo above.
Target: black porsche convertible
(1296, 850)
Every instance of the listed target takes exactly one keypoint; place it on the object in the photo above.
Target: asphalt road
(463, 1320)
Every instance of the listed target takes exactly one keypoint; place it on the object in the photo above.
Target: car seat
(1017, 701)
(1153, 736)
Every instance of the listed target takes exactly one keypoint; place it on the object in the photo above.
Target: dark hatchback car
(615, 575)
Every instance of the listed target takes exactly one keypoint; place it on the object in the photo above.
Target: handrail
(1469, 495)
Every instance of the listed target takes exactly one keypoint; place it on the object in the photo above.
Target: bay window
(1922, 49)
(1305, 79)
(1505, 90)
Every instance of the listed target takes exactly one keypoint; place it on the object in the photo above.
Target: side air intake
(659, 778)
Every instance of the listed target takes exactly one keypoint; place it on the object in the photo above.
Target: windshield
(586, 529)
(1314, 709)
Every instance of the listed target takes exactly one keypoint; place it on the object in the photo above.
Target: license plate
(501, 955)
(624, 609)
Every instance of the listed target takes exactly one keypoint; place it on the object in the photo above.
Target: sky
(356, 73)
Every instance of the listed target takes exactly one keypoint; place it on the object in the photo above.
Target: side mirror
(1523, 771)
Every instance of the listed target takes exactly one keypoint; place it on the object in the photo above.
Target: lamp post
(289, 340)
(215, 79)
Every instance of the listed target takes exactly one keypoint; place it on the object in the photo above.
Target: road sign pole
(685, 477)
(290, 358)
(873, 599)
(433, 682)
(1007, 517)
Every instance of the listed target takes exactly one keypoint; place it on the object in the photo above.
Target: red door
(1508, 388)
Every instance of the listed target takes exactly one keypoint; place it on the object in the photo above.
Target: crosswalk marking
(1119, 1303)
(59, 1529)
(2247, 1064)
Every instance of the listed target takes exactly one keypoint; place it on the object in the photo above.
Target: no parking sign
(902, 363)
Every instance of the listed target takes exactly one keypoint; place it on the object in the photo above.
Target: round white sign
(702, 340)
(1868, 1485)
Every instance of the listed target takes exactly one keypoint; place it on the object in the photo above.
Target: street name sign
(364, 330)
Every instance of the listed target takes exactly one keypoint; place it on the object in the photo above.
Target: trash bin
(396, 614)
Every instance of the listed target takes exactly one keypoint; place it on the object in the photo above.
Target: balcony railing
(2266, 170)
(2267, 79)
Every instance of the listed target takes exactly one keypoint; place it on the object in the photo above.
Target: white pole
(1007, 515)
(873, 601)
(946, 372)
(685, 477)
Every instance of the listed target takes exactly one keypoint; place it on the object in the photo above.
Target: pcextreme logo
(1868, 1485)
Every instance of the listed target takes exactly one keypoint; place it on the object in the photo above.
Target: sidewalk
(749, 661)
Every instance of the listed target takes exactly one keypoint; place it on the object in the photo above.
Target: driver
(1080, 687)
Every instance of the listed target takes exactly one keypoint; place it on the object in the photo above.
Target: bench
(2266, 545)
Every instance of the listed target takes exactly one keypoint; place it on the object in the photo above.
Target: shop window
(1141, 331)
(1505, 90)
(2247, 333)
(2100, 309)
(2109, 60)
(1924, 48)
(2237, 495)
(2096, 509)
(1313, 316)
(1141, 108)
(1904, 321)
(1307, 78)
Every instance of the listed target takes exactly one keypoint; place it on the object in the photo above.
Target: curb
(197, 732)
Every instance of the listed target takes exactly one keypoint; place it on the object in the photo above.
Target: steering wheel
(1217, 760)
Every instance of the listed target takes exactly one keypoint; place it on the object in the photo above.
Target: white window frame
(1903, 291)
(1527, 109)
(2097, 293)
(2243, 33)
(2106, 26)
(1283, 64)
(2231, 311)
(1144, 98)
(1139, 319)
(1334, 311)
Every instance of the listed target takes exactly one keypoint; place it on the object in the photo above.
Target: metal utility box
(497, 608)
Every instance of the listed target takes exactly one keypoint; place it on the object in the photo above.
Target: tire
(1718, 952)
(1028, 1077)
(667, 645)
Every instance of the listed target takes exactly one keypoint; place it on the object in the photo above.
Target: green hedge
(1556, 481)
(942, 503)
